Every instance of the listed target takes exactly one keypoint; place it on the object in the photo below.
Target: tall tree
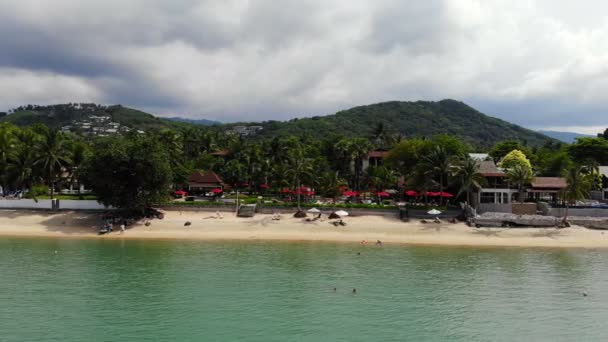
(300, 167)
(130, 174)
(468, 177)
(52, 156)
(437, 163)
(577, 187)
(520, 175)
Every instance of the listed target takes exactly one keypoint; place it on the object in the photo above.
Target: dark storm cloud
(527, 62)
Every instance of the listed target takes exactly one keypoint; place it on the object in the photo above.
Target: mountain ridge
(407, 119)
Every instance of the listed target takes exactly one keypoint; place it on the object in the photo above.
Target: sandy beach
(262, 227)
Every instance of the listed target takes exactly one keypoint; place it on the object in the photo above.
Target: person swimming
(354, 290)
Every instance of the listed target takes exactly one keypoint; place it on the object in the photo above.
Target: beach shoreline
(362, 229)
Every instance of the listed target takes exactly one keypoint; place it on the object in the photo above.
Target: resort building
(374, 158)
(496, 195)
(546, 189)
(204, 182)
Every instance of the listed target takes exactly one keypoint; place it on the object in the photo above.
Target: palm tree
(7, 144)
(52, 158)
(300, 167)
(329, 182)
(577, 187)
(468, 176)
(78, 153)
(437, 163)
(520, 175)
(359, 150)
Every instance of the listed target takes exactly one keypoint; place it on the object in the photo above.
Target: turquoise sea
(95, 290)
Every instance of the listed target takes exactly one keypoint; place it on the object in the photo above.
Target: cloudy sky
(538, 63)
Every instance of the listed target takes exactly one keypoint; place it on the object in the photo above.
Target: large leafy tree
(514, 158)
(131, 174)
(503, 148)
(589, 149)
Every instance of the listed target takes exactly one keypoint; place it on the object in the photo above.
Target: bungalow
(204, 182)
(546, 189)
(374, 158)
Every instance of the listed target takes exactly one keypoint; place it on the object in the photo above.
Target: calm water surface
(89, 290)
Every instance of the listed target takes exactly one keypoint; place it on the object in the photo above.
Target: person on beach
(378, 243)
(122, 228)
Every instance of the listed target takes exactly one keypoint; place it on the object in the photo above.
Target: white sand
(262, 227)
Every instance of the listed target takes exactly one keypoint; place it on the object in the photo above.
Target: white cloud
(533, 62)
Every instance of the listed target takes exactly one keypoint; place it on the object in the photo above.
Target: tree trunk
(298, 193)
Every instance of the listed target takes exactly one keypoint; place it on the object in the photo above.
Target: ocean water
(95, 290)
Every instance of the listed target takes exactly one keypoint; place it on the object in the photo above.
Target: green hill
(410, 119)
(60, 115)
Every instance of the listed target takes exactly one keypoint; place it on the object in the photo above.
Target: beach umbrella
(446, 194)
(217, 191)
(383, 194)
(181, 193)
(412, 193)
(433, 212)
(286, 191)
(341, 213)
(264, 186)
(314, 211)
(432, 194)
(350, 193)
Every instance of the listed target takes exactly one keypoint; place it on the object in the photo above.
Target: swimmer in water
(354, 290)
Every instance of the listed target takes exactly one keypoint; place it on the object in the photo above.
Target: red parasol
(446, 194)
(286, 191)
(383, 194)
(264, 186)
(412, 193)
(181, 193)
(433, 194)
(217, 191)
(350, 193)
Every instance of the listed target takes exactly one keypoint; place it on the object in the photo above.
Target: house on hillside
(200, 182)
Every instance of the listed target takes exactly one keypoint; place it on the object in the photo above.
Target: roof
(488, 168)
(377, 154)
(479, 156)
(209, 177)
(604, 170)
(549, 182)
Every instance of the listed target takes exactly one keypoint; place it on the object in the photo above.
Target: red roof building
(205, 181)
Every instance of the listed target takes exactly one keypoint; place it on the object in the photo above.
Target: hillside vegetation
(403, 119)
(56, 116)
(410, 119)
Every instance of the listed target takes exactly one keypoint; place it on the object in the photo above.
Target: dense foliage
(137, 170)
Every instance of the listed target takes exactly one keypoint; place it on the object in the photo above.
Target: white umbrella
(341, 213)
(433, 212)
(313, 211)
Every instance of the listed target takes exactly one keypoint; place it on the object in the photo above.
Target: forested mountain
(567, 137)
(60, 115)
(399, 119)
(410, 119)
(202, 122)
